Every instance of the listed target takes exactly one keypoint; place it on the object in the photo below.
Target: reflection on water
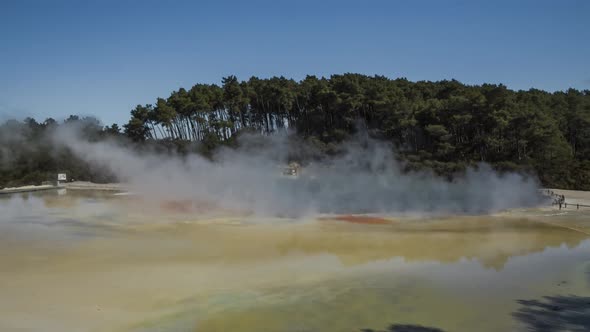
(69, 261)
(406, 328)
(556, 313)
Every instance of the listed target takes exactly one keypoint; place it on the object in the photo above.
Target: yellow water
(96, 262)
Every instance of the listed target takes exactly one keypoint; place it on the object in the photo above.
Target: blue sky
(103, 57)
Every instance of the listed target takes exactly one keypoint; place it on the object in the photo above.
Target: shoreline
(572, 197)
(76, 185)
(24, 189)
(86, 185)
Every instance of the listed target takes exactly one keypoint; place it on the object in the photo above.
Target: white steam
(365, 179)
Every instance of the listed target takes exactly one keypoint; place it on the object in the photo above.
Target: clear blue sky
(103, 57)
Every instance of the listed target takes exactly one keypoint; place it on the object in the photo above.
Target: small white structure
(61, 177)
(292, 170)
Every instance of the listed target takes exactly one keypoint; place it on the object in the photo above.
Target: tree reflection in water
(406, 328)
(555, 313)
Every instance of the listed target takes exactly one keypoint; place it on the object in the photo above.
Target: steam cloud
(365, 179)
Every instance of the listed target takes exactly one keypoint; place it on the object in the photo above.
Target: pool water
(93, 261)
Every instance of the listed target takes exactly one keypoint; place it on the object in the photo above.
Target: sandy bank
(76, 185)
(85, 185)
(13, 190)
(574, 196)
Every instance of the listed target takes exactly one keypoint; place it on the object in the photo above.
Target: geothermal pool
(92, 261)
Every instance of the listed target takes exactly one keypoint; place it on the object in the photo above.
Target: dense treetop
(444, 126)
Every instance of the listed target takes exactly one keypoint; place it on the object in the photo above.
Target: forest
(443, 126)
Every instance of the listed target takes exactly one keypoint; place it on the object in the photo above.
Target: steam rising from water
(365, 179)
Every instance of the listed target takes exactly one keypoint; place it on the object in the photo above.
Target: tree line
(29, 156)
(442, 126)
